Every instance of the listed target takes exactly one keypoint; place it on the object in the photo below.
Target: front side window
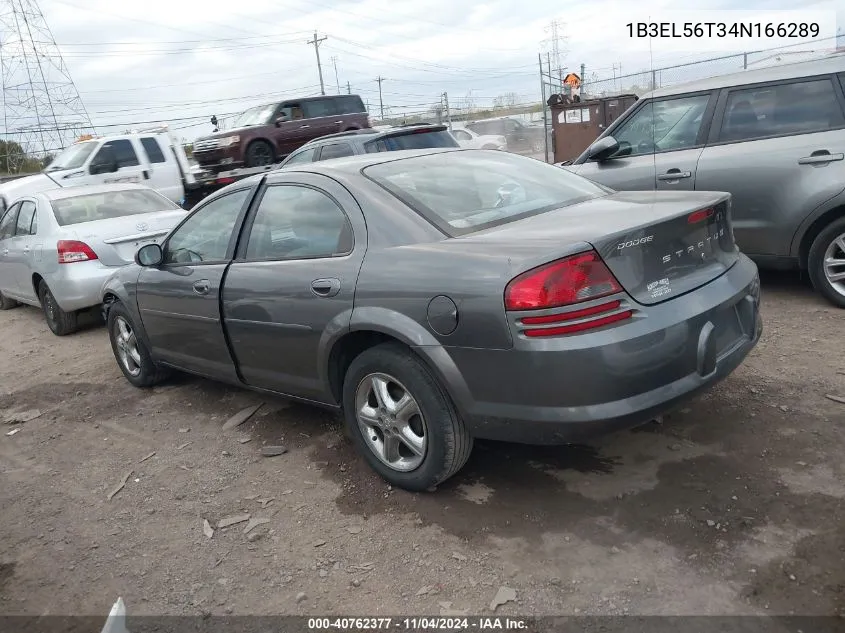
(122, 151)
(73, 157)
(295, 222)
(791, 108)
(661, 126)
(153, 149)
(205, 236)
(463, 192)
(305, 156)
(7, 224)
(108, 205)
(336, 150)
(319, 107)
(25, 223)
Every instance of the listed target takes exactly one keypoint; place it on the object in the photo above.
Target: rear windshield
(107, 205)
(412, 140)
(464, 192)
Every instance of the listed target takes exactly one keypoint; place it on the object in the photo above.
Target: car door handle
(201, 287)
(325, 287)
(820, 157)
(338, 122)
(302, 127)
(674, 174)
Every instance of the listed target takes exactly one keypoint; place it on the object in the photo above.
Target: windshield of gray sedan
(464, 192)
(108, 205)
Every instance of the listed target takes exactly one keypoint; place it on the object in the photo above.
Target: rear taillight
(71, 251)
(570, 280)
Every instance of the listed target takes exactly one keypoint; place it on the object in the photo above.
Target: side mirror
(149, 255)
(603, 148)
(281, 119)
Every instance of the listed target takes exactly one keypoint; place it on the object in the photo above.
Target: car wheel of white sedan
(402, 420)
(132, 356)
(61, 323)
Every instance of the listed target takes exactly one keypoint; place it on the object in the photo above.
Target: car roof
(822, 66)
(354, 164)
(73, 192)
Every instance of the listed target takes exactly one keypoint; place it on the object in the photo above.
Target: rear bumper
(79, 285)
(571, 388)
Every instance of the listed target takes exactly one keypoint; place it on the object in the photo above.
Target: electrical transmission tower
(42, 110)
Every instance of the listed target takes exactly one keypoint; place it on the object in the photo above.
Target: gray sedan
(58, 247)
(439, 296)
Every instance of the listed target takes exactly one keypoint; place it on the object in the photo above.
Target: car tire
(61, 323)
(830, 243)
(259, 154)
(131, 354)
(6, 303)
(446, 444)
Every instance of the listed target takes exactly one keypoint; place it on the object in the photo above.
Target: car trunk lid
(116, 240)
(658, 245)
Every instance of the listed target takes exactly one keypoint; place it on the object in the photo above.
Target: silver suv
(774, 138)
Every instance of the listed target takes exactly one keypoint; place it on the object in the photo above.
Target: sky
(180, 61)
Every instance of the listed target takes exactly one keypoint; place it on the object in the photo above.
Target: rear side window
(25, 219)
(336, 150)
(108, 205)
(123, 151)
(790, 108)
(305, 156)
(319, 107)
(413, 140)
(153, 150)
(349, 105)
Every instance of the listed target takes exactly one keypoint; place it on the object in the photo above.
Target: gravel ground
(734, 505)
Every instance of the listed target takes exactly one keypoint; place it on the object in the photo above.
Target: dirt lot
(735, 504)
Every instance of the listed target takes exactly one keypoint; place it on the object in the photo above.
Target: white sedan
(470, 140)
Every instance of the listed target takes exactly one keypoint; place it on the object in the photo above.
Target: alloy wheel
(834, 264)
(127, 346)
(391, 422)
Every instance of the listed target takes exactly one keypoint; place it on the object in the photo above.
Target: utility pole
(446, 106)
(337, 81)
(348, 88)
(316, 42)
(380, 101)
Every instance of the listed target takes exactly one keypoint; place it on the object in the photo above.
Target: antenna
(42, 110)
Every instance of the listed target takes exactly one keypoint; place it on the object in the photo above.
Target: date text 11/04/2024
(723, 29)
(419, 624)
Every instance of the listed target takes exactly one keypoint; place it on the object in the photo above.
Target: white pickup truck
(149, 158)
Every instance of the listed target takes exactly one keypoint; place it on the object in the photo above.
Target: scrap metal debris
(839, 399)
(116, 620)
(265, 502)
(254, 523)
(143, 459)
(20, 417)
(241, 416)
(244, 440)
(181, 446)
(273, 451)
(503, 595)
(232, 520)
(120, 486)
(12, 432)
(207, 529)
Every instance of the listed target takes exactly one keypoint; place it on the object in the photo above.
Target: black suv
(420, 136)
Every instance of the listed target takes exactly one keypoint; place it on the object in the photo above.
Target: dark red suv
(266, 134)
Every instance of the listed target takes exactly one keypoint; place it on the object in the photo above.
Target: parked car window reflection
(109, 204)
(206, 234)
(295, 222)
(793, 108)
(25, 215)
(7, 224)
(305, 156)
(670, 124)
